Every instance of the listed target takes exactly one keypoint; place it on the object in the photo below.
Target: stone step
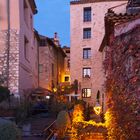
(95, 136)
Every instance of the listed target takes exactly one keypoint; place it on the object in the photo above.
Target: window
(86, 53)
(68, 63)
(31, 21)
(86, 72)
(86, 92)
(26, 48)
(40, 68)
(87, 14)
(66, 78)
(86, 33)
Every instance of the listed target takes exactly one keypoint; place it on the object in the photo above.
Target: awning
(41, 92)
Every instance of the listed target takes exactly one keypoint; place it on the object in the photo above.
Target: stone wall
(3, 57)
(13, 59)
(123, 98)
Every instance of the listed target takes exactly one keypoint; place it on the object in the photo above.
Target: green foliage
(23, 111)
(9, 131)
(4, 93)
(63, 122)
(87, 112)
(56, 107)
(81, 102)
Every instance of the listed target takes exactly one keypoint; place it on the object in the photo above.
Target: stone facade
(17, 40)
(51, 63)
(12, 68)
(122, 65)
(78, 44)
(67, 64)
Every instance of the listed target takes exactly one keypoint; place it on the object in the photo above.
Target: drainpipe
(8, 41)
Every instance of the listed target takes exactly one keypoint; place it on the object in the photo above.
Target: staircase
(95, 136)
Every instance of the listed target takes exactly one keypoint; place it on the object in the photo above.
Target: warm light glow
(47, 97)
(54, 90)
(97, 110)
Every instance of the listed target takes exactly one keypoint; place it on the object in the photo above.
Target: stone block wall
(123, 98)
(13, 59)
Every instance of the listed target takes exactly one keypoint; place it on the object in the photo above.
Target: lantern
(97, 109)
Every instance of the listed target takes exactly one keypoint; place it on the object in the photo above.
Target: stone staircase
(95, 136)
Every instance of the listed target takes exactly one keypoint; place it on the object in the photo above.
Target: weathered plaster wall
(125, 27)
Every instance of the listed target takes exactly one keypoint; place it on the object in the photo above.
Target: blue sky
(53, 16)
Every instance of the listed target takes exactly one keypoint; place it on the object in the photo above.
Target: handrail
(49, 126)
(51, 131)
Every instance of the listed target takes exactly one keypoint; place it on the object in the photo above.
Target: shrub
(56, 107)
(4, 93)
(63, 122)
(23, 111)
(9, 131)
(78, 115)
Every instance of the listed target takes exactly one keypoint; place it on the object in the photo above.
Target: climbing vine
(122, 87)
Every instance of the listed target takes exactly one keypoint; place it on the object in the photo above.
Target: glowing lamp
(47, 97)
(97, 109)
(54, 90)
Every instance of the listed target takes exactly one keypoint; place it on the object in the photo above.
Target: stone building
(18, 46)
(67, 64)
(87, 32)
(51, 63)
(122, 66)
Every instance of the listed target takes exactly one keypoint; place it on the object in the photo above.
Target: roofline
(61, 50)
(36, 34)
(51, 42)
(33, 6)
(112, 21)
(74, 2)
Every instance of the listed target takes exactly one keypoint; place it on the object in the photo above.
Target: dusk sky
(54, 16)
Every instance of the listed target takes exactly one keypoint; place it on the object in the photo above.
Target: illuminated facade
(87, 32)
(51, 63)
(67, 64)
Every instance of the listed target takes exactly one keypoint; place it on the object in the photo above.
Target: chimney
(56, 39)
(55, 35)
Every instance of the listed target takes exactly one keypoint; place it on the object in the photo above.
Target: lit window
(86, 92)
(86, 72)
(87, 14)
(86, 53)
(86, 33)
